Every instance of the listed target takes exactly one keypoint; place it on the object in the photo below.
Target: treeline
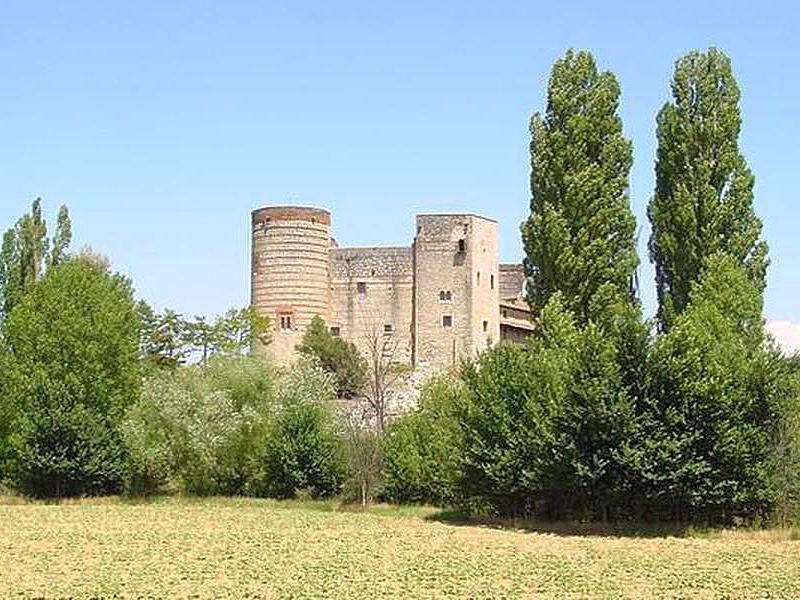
(99, 394)
(602, 415)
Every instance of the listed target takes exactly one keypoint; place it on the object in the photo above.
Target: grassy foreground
(241, 548)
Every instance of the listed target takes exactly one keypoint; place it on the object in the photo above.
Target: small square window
(447, 321)
(485, 326)
(361, 288)
(286, 322)
(388, 329)
(336, 331)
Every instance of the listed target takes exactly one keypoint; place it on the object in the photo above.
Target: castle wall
(485, 316)
(512, 278)
(290, 279)
(431, 304)
(449, 252)
(385, 277)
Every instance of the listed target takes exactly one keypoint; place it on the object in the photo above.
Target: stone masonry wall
(290, 279)
(449, 251)
(382, 309)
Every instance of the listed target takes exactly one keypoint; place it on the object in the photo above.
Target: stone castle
(441, 299)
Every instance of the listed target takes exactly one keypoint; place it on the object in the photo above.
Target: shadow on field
(569, 528)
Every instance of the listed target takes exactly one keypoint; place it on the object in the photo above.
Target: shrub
(421, 461)
(64, 448)
(197, 429)
(337, 356)
(302, 450)
(714, 412)
(544, 427)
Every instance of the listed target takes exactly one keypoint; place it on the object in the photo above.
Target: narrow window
(442, 296)
(447, 321)
(286, 322)
(491, 281)
(448, 296)
(361, 288)
(462, 246)
(479, 278)
(485, 326)
(336, 331)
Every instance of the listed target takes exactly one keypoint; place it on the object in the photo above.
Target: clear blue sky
(162, 124)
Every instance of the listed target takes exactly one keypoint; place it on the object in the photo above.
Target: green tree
(24, 254)
(703, 201)
(71, 358)
(580, 236)
(162, 337)
(707, 445)
(239, 328)
(302, 452)
(422, 447)
(336, 356)
(544, 428)
(196, 429)
(500, 436)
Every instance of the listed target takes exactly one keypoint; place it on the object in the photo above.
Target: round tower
(290, 281)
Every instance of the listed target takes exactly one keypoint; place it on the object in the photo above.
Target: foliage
(713, 415)
(70, 355)
(162, 337)
(336, 356)
(498, 436)
(544, 427)
(66, 448)
(196, 429)
(422, 447)
(24, 254)
(364, 457)
(302, 450)
(168, 340)
(703, 200)
(782, 382)
(580, 236)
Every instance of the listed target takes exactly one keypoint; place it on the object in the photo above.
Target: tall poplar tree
(703, 202)
(26, 252)
(580, 238)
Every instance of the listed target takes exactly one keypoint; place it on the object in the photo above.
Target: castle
(431, 304)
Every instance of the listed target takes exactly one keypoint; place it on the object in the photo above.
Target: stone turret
(290, 272)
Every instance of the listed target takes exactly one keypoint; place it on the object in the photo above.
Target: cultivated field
(263, 549)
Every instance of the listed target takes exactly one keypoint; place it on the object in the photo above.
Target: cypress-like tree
(703, 202)
(581, 235)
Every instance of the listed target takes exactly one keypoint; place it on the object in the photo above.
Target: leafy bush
(422, 447)
(302, 450)
(197, 429)
(64, 448)
(336, 356)
(713, 415)
(544, 427)
(498, 436)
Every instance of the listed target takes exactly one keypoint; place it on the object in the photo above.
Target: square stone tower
(456, 288)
